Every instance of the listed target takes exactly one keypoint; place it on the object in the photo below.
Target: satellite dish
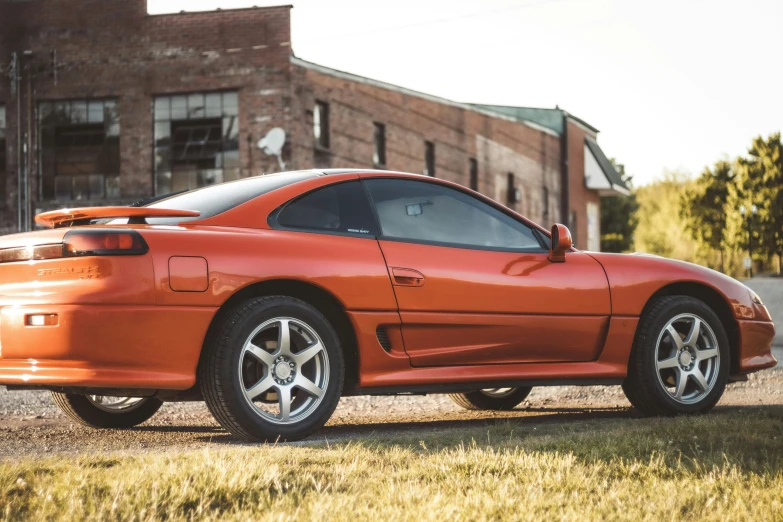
(272, 144)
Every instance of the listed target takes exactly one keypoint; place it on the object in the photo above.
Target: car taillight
(78, 243)
(9, 255)
(103, 243)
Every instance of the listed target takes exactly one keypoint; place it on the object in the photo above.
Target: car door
(474, 284)
(346, 258)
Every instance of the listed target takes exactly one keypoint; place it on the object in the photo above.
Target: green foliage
(662, 229)
(699, 220)
(703, 207)
(760, 183)
(619, 218)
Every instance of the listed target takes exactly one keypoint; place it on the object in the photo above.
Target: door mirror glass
(561, 243)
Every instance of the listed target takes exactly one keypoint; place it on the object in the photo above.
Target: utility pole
(16, 89)
(28, 144)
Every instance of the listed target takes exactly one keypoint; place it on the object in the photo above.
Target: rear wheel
(272, 369)
(99, 411)
(491, 398)
(680, 358)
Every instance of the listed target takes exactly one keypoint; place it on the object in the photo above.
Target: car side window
(427, 212)
(340, 208)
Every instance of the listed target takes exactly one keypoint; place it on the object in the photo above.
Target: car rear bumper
(756, 346)
(126, 346)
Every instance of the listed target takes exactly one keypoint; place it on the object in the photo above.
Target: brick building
(105, 104)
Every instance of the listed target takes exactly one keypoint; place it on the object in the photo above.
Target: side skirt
(427, 389)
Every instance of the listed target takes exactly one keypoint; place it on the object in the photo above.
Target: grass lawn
(722, 466)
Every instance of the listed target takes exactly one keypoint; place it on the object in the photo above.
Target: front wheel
(491, 398)
(680, 358)
(98, 411)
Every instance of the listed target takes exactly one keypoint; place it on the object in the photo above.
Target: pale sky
(671, 84)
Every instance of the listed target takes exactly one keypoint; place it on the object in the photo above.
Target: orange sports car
(271, 297)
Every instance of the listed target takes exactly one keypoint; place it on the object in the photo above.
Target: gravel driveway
(30, 423)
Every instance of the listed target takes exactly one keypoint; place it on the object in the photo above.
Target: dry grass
(724, 466)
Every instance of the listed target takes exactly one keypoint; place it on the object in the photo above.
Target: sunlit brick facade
(106, 104)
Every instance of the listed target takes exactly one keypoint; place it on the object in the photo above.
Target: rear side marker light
(41, 320)
(78, 243)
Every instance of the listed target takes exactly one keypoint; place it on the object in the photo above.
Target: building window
(473, 168)
(513, 195)
(196, 140)
(321, 124)
(429, 159)
(572, 227)
(379, 156)
(546, 205)
(80, 149)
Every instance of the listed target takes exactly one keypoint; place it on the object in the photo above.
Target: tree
(704, 210)
(618, 217)
(760, 183)
(661, 229)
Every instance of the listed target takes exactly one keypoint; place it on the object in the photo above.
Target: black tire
(220, 380)
(643, 387)
(478, 400)
(80, 409)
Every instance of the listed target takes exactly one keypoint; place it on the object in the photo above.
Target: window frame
(274, 224)
(473, 174)
(324, 139)
(511, 190)
(542, 237)
(172, 111)
(93, 111)
(429, 158)
(545, 210)
(379, 144)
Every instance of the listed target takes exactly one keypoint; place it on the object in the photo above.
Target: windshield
(216, 199)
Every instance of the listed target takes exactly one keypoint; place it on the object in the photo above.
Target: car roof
(328, 172)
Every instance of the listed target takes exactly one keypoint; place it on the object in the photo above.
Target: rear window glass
(214, 200)
(340, 208)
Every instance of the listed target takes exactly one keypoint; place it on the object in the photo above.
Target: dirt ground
(31, 424)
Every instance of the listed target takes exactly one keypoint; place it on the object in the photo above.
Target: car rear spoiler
(82, 216)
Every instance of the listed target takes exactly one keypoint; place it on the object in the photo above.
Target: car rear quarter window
(216, 199)
(341, 208)
(426, 212)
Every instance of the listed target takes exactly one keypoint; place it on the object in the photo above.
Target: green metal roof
(606, 166)
(549, 118)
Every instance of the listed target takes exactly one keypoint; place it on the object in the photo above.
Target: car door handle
(407, 277)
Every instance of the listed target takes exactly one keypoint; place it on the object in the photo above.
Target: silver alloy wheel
(498, 392)
(687, 358)
(116, 404)
(284, 370)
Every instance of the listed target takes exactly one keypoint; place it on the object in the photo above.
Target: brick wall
(500, 146)
(113, 48)
(579, 195)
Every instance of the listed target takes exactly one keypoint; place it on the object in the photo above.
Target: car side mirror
(561, 243)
